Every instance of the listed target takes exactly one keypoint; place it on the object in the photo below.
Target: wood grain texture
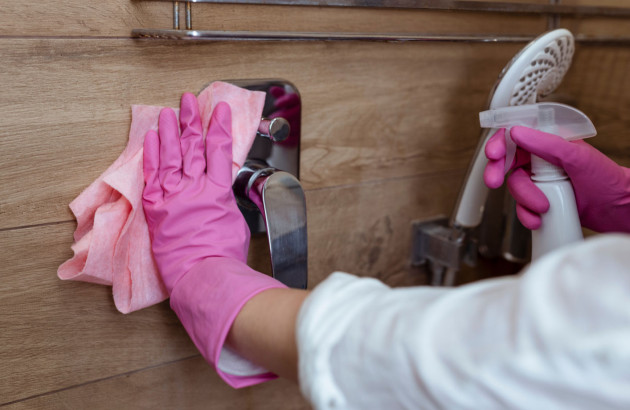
(365, 229)
(598, 84)
(518, 1)
(608, 27)
(597, 26)
(57, 334)
(116, 18)
(398, 110)
(186, 385)
(74, 335)
(370, 111)
(600, 3)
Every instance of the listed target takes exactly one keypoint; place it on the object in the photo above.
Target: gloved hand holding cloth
(111, 245)
(199, 237)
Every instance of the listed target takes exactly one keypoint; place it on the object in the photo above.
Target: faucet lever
(267, 188)
(280, 199)
(285, 216)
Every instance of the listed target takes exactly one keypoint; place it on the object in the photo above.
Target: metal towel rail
(553, 11)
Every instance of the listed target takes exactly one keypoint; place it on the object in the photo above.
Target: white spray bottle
(561, 224)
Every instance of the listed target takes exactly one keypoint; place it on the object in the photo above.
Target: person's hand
(199, 237)
(190, 208)
(602, 188)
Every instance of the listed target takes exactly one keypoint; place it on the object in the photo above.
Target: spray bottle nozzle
(554, 118)
(507, 115)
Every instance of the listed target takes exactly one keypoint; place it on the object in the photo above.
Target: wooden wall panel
(598, 26)
(75, 334)
(598, 84)
(414, 115)
(371, 111)
(375, 240)
(595, 27)
(93, 18)
(607, 27)
(187, 384)
(57, 334)
(599, 3)
(517, 1)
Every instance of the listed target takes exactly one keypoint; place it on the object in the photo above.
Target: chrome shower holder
(443, 249)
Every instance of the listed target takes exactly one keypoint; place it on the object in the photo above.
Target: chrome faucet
(267, 187)
(280, 199)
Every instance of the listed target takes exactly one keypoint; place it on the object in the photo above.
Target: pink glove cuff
(207, 300)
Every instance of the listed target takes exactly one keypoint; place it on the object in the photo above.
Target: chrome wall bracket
(442, 248)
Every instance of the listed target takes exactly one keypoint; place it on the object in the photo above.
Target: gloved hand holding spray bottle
(561, 224)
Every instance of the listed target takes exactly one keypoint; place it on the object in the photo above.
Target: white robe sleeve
(556, 336)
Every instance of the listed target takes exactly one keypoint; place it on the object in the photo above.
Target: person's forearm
(264, 330)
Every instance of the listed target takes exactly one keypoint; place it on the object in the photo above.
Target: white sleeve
(557, 336)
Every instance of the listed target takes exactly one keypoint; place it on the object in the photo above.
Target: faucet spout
(280, 199)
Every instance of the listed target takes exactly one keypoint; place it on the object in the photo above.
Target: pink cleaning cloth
(111, 242)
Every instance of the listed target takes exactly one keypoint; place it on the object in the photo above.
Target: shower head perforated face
(536, 71)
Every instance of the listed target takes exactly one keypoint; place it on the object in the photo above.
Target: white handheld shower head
(534, 72)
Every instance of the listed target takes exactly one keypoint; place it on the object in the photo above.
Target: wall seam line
(115, 376)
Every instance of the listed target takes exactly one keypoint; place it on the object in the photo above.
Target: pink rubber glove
(602, 188)
(199, 237)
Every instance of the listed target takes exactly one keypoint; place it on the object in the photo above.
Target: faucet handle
(284, 213)
(272, 200)
(280, 199)
(276, 129)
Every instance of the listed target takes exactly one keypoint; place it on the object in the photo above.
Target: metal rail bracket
(436, 242)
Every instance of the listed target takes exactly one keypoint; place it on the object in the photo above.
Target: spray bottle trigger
(560, 119)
